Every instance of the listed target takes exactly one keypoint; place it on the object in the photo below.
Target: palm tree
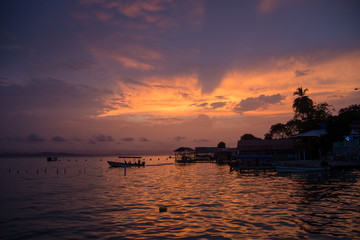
(303, 106)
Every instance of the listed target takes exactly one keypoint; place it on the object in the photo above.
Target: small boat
(125, 164)
(51, 159)
(294, 169)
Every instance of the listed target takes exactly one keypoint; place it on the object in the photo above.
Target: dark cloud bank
(254, 103)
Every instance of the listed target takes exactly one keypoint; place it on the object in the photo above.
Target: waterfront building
(349, 147)
(184, 154)
(205, 154)
(279, 149)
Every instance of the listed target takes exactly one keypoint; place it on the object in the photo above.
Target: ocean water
(82, 198)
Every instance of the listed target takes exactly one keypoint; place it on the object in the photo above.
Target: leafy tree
(277, 130)
(322, 111)
(320, 115)
(351, 113)
(221, 145)
(281, 130)
(248, 136)
(340, 126)
(302, 105)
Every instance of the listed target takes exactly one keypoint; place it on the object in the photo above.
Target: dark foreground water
(81, 198)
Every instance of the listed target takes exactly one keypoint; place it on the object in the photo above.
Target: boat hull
(51, 159)
(118, 164)
(288, 169)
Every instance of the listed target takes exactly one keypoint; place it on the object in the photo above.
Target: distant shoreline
(47, 154)
(64, 154)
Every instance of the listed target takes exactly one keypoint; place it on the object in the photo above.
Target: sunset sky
(92, 76)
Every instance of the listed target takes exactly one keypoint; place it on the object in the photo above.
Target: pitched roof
(313, 133)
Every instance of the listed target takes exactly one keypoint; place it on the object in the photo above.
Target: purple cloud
(263, 101)
(143, 139)
(34, 138)
(216, 105)
(300, 73)
(128, 139)
(103, 138)
(58, 139)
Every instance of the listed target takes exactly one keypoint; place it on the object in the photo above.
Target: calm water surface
(82, 198)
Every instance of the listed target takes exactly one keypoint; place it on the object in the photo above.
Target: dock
(333, 164)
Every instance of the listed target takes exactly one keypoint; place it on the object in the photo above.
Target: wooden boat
(295, 169)
(123, 164)
(127, 162)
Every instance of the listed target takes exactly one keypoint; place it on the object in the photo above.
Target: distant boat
(51, 159)
(293, 169)
(128, 162)
(125, 164)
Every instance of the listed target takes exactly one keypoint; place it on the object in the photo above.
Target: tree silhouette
(221, 145)
(248, 136)
(303, 106)
(280, 130)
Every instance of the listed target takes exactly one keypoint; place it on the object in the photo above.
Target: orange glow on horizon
(181, 95)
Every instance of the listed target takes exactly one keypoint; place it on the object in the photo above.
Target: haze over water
(82, 198)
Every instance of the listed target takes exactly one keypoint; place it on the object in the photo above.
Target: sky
(92, 76)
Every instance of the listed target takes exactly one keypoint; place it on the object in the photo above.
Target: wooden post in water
(125, 170)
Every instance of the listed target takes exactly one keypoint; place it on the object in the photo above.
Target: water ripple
(87, 200)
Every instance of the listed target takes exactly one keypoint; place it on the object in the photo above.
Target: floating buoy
(162, 209)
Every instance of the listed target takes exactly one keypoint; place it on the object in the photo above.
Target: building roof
(184, 149)
(266, 145)
(313, 133)
(205, 149)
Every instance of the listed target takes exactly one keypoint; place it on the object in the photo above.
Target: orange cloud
(264, 90)
(133, 63)
(329, 75)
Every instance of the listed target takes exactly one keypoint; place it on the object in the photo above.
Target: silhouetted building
(349, 147)
(279, 149)
(184, 154)
(205, 153)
